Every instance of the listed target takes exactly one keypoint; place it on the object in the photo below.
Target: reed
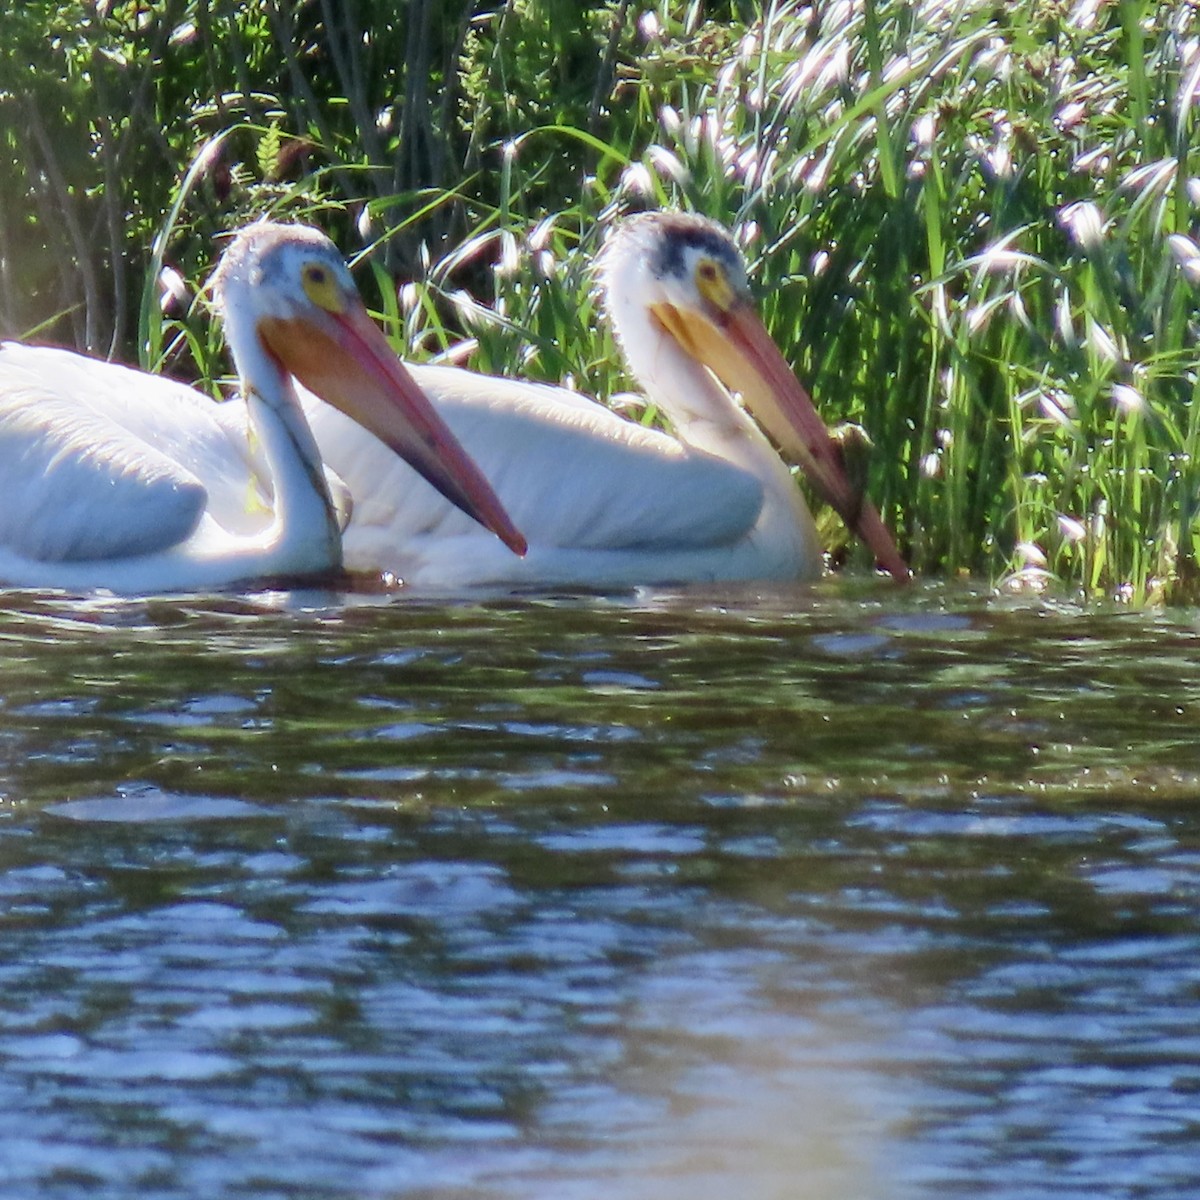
(972, 227)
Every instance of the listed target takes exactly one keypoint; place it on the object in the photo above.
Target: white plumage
(607, 502)
(117, 479)
(604, 502)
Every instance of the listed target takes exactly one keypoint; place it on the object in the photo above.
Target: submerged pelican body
(121, 480)
(602, 501)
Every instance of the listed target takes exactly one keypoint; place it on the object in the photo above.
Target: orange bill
(346, 360)
(741, 353)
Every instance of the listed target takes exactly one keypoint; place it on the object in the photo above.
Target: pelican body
(605, 502)
(121, 480)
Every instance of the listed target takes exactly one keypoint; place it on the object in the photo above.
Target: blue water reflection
(804, 894)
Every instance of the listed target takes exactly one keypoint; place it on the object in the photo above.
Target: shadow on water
(796, 893)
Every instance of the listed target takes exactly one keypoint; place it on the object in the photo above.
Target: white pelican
(605, 502)
(116, 479)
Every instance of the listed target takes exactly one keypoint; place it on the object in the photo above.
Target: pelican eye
(713, 285)
(321, 287)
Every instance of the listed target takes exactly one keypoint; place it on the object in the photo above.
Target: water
(830, 894)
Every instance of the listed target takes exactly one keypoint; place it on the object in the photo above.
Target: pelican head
(680, 276)
(291, 309)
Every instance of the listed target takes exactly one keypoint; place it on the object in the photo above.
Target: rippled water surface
(833, 894)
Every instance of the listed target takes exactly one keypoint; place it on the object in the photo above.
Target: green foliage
(972, 226)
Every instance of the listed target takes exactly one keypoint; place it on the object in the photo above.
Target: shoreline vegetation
(972, 228)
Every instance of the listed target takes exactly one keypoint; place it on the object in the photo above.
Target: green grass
(960, 228)
(970, 227)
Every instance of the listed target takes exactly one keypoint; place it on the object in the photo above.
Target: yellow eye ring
(713, 285)
(322, 288)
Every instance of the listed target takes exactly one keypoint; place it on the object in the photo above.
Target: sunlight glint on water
(798, 894)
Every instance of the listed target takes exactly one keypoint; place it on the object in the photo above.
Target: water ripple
(684, 894)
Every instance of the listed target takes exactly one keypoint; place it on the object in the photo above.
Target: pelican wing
(99, 461)
(570, 473)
